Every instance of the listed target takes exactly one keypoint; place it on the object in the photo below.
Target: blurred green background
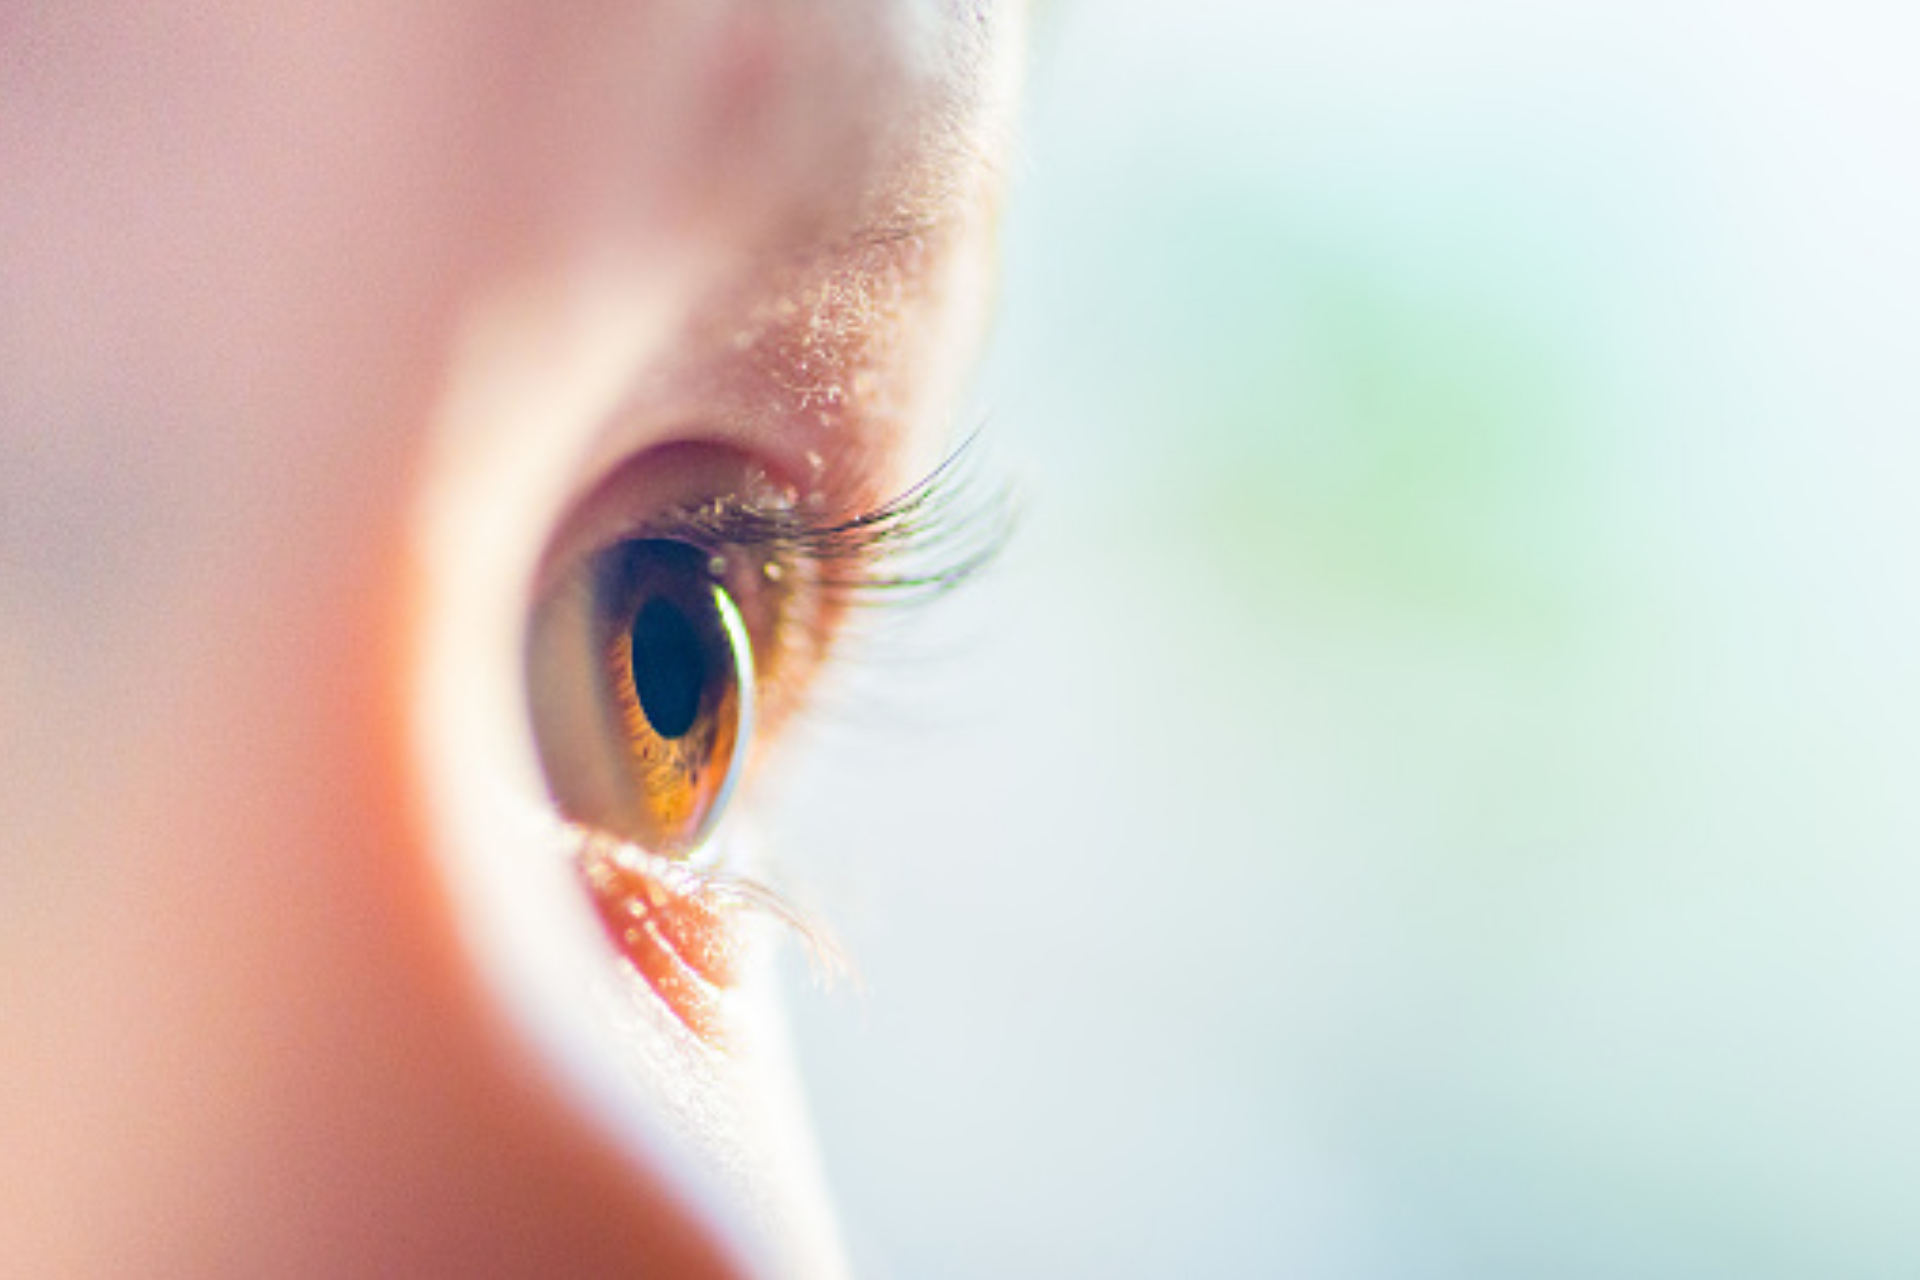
(1429, 791)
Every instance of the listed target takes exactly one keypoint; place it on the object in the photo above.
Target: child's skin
(313, 321)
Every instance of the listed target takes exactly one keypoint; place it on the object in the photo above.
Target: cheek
(245, 1043)
(238, 1029)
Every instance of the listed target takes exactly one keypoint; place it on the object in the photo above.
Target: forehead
(862, 121)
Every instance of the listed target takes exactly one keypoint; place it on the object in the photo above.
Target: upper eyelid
(925, 540)
(646, 494)
(802, 359)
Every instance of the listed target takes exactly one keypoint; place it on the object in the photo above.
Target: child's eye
(658, 643)
(642, 678)
(664, 636)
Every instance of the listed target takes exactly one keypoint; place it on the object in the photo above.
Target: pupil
(669, 669)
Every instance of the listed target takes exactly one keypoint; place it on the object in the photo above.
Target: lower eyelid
(684, 944)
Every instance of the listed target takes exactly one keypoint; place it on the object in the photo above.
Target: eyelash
(922, 543)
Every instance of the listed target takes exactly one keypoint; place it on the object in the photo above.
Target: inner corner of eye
(640, 680)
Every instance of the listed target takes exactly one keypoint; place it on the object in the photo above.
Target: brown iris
(679, 669)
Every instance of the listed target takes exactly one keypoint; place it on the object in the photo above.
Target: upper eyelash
(921, 543)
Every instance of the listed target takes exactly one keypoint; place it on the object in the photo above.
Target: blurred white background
(1430, 791)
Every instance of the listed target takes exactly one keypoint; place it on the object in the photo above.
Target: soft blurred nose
(238, 1037)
